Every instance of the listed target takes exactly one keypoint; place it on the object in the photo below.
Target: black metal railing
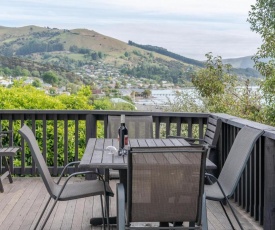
(62, 136)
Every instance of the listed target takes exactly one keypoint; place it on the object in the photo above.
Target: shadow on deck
(22, 202)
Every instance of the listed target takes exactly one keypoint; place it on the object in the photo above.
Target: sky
(190, 28)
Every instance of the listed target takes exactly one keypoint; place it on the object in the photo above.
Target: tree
(25, 72)
(7, 71)
(36, 83)
(50, 77)
(261, 18)
(35, 73)
(214, 79)
(220, 92)
(147, 93)
(17, 71)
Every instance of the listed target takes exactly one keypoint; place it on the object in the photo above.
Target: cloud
(190, 28)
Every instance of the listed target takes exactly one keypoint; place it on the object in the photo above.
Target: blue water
(162, 96)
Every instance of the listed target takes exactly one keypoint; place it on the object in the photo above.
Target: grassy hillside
(14, 38)
(72, 49)
(69, 50)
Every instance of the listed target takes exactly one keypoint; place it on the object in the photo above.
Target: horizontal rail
(63, 134)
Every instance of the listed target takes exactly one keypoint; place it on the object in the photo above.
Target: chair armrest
(82, 173)
(216, 180)
(120, 206)
(63, 171)
(189, 139)
(6, 132)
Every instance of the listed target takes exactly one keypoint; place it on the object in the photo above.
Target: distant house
(125, 92)
(5, 82)
(98, 93)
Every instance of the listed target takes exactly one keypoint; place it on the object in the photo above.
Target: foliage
(156, 72)
(220, 92)
(261, 18)
(163, 51)
(147, 93)
(79, 101)
(27, 97)
(106, 104)
(36, 83)
(36, 46)
(21, 96)
(50, 77)
(187, 102)
(212, 80)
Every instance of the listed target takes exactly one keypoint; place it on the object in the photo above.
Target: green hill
(72, 49)
(68, 51)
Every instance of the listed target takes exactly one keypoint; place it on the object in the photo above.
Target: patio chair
(164, 185)
(5, 153)
(210, 139)
(138, 127)
(225, 184)
(67, 191)
(211, 135)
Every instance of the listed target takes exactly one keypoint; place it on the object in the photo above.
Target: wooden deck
(22, 202)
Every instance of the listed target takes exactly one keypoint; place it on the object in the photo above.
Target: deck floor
(23, 200)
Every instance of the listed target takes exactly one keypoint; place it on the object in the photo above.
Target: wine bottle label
(126, 140)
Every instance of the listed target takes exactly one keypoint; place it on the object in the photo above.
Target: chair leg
(39, 219)
(50, 212)
(1, 186)
(204, 221)
(7, 168)
(232, 210)
(231, 224)
(102, 210)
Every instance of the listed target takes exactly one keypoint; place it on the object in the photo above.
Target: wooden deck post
(269, 188)
(90, 126)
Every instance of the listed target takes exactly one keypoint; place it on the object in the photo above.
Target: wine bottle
(122, 134)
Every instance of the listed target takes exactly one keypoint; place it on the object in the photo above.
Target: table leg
(95, 221)
(123, 179)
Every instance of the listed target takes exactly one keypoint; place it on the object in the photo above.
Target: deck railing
(64, 134)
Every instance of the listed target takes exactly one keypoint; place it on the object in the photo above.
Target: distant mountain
(165, 52)
(242, 62)
(244, 66)
(68, 51)
(73, 49)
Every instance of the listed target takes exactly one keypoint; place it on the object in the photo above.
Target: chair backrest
(237, 158)
(43, 170)
(138, 126)
(165, 184)
(212, 131)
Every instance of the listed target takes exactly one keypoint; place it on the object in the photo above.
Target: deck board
(22, 202)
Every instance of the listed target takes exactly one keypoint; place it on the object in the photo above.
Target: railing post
(90, 126)
(269, 187)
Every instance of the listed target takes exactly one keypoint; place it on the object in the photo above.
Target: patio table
(97, 156)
